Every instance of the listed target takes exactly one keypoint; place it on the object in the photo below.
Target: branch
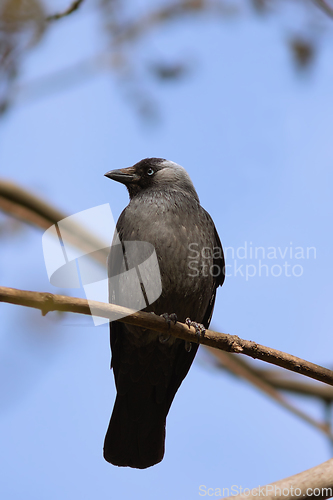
(305, 485)
(298, 387)
(275, 378)
(20, 203)
(324, 7)
(244, 369)
(166, 13)
(231, 343)
(74, 6)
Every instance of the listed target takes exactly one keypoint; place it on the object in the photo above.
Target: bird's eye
(150, 171)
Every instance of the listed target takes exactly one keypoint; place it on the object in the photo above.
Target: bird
(164, 210)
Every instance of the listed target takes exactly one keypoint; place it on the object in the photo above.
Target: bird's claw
(168, 318)
(199, 328)
(188, 346)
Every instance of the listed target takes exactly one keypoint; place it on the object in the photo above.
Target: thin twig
(74, 6)
(231, 343)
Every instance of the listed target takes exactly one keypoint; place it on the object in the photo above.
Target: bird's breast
(183, 239)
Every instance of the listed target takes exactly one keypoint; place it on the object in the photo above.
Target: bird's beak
(123, 175)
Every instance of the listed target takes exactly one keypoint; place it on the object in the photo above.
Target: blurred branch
(231, 343)
(30, 208)
(74, 6)
(22, 25)
(324, 7)
(123, 29)
(244, 370)
(297, 387)
(134, 29)
(305, 485)
(275, 378)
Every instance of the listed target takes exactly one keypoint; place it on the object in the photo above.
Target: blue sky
(256, 139)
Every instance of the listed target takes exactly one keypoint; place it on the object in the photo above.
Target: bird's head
(154, 173)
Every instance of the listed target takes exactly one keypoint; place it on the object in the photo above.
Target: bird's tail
(136, 435)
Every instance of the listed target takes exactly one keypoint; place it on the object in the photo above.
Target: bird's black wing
(184, 359)
(136, 432)
(219, 264)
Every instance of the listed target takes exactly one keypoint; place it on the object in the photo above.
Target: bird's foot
(199, 328)
(168, 318)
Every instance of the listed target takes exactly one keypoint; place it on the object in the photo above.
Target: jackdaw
(165, 211)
